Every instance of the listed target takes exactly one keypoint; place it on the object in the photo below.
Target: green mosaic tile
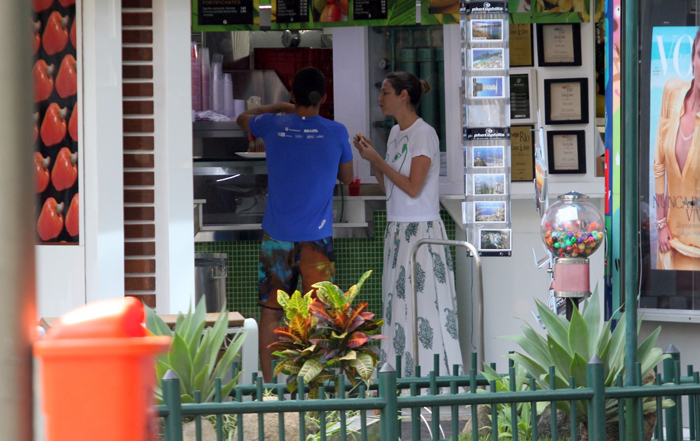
(353, 258)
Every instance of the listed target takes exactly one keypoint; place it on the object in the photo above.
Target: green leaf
(216, 341)
(645, 348)
(603, 340)
(224, 364)
(592, 317)
(179, 361)
(490, 374)
(351, 355)
(282, 298)
(364, 364)
(155, 324)
(561, 358)
(578, 335)
(578, 370)
(335, 297)
(201, 381)
(199, 319)
(311, 368)
(531, 366)
(555, 328)
(533, 344)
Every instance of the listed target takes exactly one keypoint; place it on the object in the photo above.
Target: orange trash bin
(97, 373)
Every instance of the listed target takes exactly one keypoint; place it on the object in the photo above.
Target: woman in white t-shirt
(409, 176)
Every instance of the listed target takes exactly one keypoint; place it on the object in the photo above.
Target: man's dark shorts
(281, 264)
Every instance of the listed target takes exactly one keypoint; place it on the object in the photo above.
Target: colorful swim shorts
(281, 264)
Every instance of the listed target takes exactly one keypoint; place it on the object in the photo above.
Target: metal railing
(479, 290)
(399, 402)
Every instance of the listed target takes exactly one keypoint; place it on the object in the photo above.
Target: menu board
(224, 12)
(522, 153)
(370, 9)
(292, 11)
(519, 96)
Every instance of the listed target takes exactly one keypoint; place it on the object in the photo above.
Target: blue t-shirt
(303, 154)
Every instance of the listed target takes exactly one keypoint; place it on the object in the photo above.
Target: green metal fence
(399, 402)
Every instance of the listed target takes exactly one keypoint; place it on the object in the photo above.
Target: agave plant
(326, 332)
(569, 345)
(194, 352)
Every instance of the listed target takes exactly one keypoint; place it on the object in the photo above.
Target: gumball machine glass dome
(572, 227)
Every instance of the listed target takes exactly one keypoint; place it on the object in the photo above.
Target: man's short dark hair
(309, 87)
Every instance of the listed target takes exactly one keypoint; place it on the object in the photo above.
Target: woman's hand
(664, 239)
(366, 149)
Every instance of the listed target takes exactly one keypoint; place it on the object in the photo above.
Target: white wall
(173, 156)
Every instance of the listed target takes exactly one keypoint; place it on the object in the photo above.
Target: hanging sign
(486, 7)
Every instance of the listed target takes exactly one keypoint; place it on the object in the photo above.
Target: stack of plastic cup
(217, 84)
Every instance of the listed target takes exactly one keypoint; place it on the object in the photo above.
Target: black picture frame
(580, 151)
(582, 99)
(543, 43)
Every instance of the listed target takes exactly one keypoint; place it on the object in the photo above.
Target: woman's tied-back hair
(309, 86)
(410, 83)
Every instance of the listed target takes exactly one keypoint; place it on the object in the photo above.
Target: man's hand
(243, 119)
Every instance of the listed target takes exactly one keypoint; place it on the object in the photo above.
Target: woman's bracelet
(660, 223)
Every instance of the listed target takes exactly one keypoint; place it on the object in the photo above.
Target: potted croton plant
(325, 331)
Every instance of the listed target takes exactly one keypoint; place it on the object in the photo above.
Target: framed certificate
(566, 101)
(523, 96)
(566, 151)
(522, 153)
(559, 44)
(520, 45)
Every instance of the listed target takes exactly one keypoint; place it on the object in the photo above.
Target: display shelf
(526, 190)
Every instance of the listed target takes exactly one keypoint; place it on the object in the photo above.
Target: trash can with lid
(97, 373)
(210, 280)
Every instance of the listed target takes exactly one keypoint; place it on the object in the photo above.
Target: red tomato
(41, 169)
(43, 80)
(73, 216)
(67, 78)
(53, 128)
(65, 169)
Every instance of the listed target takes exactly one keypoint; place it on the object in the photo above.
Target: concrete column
(17, 289)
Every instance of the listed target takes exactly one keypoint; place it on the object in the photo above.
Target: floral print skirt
(437, 303)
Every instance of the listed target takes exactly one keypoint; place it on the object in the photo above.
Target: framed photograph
(487, 58)
(486, 30)
(523, 96)
(489, 184)
(487, 87)
(490, 211)
(487, 157)
(566, 151)
(520, 44)
(494, 240)
(566, 101)
(559, 44)
(522, 153)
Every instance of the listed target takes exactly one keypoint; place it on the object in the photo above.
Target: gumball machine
(572, 230)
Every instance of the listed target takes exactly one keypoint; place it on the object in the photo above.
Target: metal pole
(630, 196)
(17, 290)
(479, 288)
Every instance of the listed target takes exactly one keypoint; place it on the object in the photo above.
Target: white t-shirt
(403, 145)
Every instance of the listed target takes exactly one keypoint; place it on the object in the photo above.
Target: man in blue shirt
(306, 153)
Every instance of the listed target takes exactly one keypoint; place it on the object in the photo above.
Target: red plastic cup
(354, 189)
